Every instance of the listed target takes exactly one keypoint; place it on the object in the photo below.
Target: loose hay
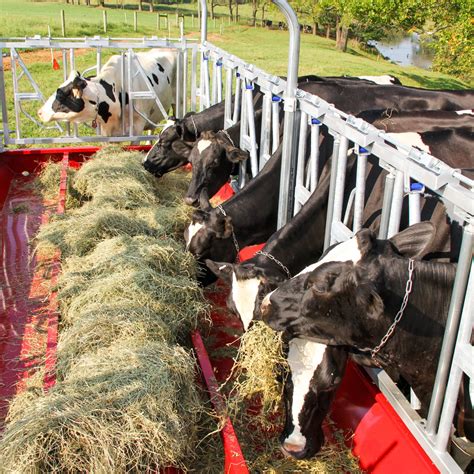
(128, 408)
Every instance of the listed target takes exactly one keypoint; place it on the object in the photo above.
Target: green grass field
(268, 49)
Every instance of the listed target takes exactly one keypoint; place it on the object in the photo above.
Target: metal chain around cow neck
(226, 133)
(398, 316)
(234, 238)
(271, 257)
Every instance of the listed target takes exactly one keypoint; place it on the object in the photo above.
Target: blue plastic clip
(219, 63)
(416, 187)
(315, 121)
(249, 87)
(363, 151)
(276, 98)
(237, 74)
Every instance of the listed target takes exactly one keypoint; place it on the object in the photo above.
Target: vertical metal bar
(332, 190)
(99, 59)
(397, 203)
(130, 93)
(275, 123)
(3, 102)
(243, 116)
(314, 154)
(203, 14)
(228, 98)
(360, 188)
(123, 96)
(300, 164)
(288, 163)
(251, 128)
(194, 55)
(386, 204)
(72, 67)
(452, 389)
(219, 80)
(65, 76)
(266, 130)
(237, 98)
(340, 182)
(13, 55)
(178, 84)
(185, 79)
(214, 83)
(414, 203)
(450, 333)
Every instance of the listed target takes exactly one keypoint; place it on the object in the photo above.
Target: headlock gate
(223, 76)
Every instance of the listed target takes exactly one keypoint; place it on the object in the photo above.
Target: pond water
(405, 51)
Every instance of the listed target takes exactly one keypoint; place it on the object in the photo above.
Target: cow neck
(419, 334)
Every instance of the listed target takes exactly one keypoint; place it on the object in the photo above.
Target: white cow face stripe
(410, 138)
(304, 358)
(244, 295)
(193, 229)
(203, 144)
(344, 252)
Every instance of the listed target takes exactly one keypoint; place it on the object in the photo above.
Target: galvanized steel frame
(185, 96)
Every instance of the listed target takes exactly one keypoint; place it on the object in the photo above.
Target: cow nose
(190, 201)
(294, 450)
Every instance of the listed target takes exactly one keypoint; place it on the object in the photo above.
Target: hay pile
(125, 398)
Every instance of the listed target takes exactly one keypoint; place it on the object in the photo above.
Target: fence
(404, 165)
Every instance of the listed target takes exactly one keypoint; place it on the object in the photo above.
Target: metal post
(6, 131)
(397, 204)
(219, 80)
(275, 123)
(185, 78)
(452, 389)
(194, 54)
(386, 204)
(123, 90)
(104, 17)
(288, 163)
(332, 190)
(130, 94)
(450, 333)
(340, 182)
(251, 128)
(178, 85)
(414, 203)
(266, 130)
(13, 55)
(228, 98)
(362, 154)
(65, 75)
(300, 165)
(63, 23)
(203, 13)
(314, 154)
(237, 98)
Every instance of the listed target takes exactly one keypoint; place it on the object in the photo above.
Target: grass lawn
(268, 49)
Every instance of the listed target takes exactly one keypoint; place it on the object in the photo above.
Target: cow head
(249, 282)
(172, 148)
(80, 100)
(212, 159)
(343, 286)
(209, 235)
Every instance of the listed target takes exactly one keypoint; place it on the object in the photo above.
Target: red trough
(28, 328)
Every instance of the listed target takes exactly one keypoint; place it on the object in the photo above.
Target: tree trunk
(315, 28)
(140, 6)
(212, 9)
(342, 36)
(151, 6)
(328, 31)
(231, 14)
(263, 15)
(236, 10)
(254, 12)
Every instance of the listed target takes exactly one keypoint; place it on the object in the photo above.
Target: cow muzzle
(191, 201)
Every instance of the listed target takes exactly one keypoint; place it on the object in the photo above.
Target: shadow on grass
(434, 82)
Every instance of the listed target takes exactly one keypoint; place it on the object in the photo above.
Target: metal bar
(3, 101)
(288, 163)
(237, 98)
(65, 76)
(414, 203)
(450, 333)
(332, 190)
(185, 80)
(266, 130)
(300, 164)
(397, 204)
(72, 67)
(124, 93)
(275, 123)
(251, 129)
(452, 389)
(203, 5)
(360, 188)
(314, 154)
(340, 182)
(214, 83)
(129, 89)
(228, 98)
(386, 205)
(219, 80)
(194, 55)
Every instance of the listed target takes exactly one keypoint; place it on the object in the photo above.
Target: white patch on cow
(465, 112)
(244, 295)
(193, 229)
(304, 358)
(203, 144)
(344, 252)
(381, 80)
(411, 139)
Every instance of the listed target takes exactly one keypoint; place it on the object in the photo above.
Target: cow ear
(365, 241)
(181, 148)
(222, 270)
(235, 155)
(415, 241)
(225, 229)
(78, 85)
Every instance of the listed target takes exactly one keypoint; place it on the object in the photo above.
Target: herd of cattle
(335, 304)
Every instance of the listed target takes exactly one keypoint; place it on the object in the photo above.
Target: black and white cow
(214, 157)
(349, 299)
(99, 99)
